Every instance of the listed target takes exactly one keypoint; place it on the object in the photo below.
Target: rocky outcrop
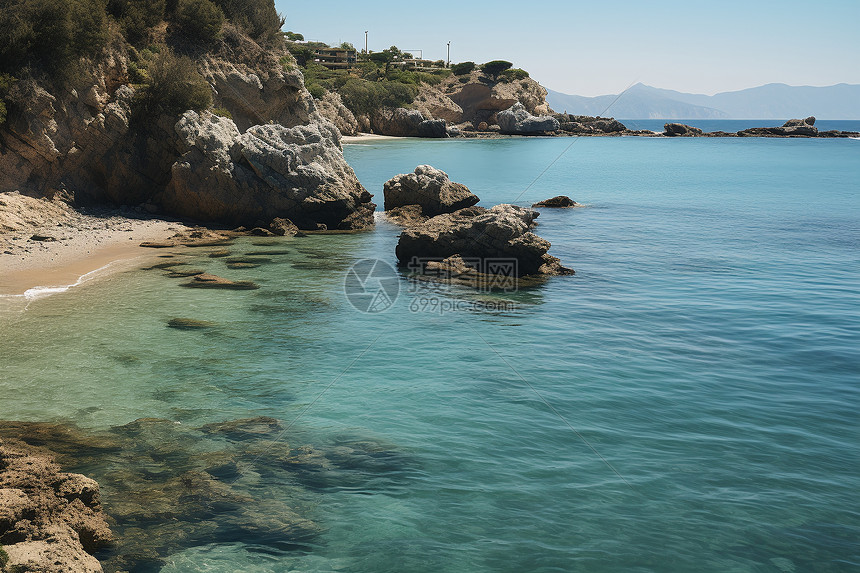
(430, 189)
(559, 202)
(681, 130)
(397, 122)
(478, 98)
(433, 128)
(498, 235)
(267, 172)
(518, 121)
(276, 157)
(331, 107)
(50, 521)
(791, 128)
(588, 125)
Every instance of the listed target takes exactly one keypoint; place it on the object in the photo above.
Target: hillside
(188, 108)
(771, 101)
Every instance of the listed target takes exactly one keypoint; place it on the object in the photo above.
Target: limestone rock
(331, 108)
(500, 233)
(681, 130)
(433, 128)
(398, 122)
(50, 521)
(429, 188)
(518, 121)
(270, 171)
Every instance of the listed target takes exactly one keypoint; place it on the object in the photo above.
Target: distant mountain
(771, 101)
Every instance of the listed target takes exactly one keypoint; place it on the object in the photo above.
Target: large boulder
(800, 122)
(518, 121)
(433, 128)
(269, 171)
(681, 130)
(429, 188)
(397, 122)
(492, 235)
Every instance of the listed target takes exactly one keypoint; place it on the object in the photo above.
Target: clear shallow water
(706, 348)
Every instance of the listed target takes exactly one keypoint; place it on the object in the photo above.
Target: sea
(687, 401)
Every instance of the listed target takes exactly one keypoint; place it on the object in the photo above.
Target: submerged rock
(559, 202)
(429, 188)
(492, 236)
(189, 324)
(208, 281)
(518, 121)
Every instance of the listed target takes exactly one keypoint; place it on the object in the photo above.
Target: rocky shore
(162, 487)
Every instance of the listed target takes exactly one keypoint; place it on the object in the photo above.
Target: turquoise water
(687, 402)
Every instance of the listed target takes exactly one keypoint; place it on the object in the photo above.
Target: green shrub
(513, 75)
(316, 90)
(293, 37)
(4, 557)
(463, 68)
(174, 86)
(136, 17)
(6, 82)
(200, 20)
(259, 18)
(496, 67)
(50, 34)
(364, 97)
(137, 74)
(222, 112)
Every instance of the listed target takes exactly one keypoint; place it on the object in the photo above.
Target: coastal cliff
(260, 150)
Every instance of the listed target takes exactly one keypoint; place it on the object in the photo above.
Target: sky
(601, 47)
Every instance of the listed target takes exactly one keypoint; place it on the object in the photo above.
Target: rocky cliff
(274, 156)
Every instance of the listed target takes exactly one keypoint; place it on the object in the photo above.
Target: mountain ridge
(768, 101)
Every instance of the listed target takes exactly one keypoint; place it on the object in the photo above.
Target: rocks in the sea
(589, 125)
(791, 128)
(175, 273)
(209, 281)
(559, 202)
(681, 130)
(50, 521)
(501, 233)
(169, 486)
(219, 254)
(518, 121)
(267, 172)
(800, 122)
(429, 188)
(189, 324)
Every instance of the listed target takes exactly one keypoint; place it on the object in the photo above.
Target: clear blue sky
(599, 47)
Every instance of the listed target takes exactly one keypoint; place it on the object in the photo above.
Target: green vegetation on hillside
(51, 41)
(378, 80)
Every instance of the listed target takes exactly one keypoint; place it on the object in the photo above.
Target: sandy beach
(49, 244)
(365, 138)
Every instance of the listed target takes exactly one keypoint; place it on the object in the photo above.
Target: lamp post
(449, 55)
(365, 42)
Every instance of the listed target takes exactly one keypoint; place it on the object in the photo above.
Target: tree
(293, 37)
(200, 20)
(463, 68)
(494, 68)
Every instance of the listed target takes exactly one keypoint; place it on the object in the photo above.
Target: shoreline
(47, 247)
